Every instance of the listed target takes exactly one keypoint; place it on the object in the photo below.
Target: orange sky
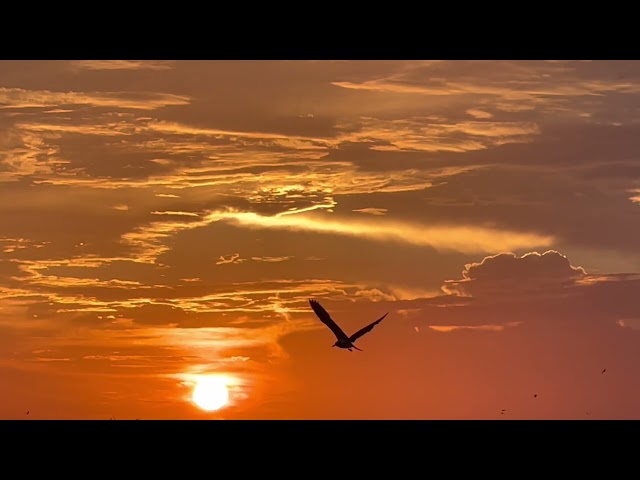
(163, 220)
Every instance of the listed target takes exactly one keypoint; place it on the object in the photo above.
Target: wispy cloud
(632, 323)
(177, 214)
(424, 134)
(234, 258)
(288, 141)
(21, 98)
(477, 113)
(468, 239)
(371, 211)
(123, 64)
(271, 259)
(481, 328)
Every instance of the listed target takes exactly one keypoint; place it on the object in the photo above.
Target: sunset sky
(164, 222)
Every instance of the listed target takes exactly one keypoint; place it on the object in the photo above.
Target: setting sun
(210, 393)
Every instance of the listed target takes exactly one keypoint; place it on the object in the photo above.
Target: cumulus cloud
(534, 291)
(508, 274)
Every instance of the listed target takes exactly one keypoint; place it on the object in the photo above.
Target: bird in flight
(604, 371)
(343, 341)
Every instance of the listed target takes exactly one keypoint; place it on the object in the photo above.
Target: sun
(210, 393)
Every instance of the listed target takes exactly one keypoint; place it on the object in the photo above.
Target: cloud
(21, 98)
(468, 239)
(147, 240)
(530, 89)
(371, 211)
(271, 259)
(632, 323)
(480, 328)
(507, 274)
(24, 154)
(177, 214)
(234, 258)
(375, 295)
(477, 113)
(535, 292)
(425, 134)
(283, 140)
(123, 64)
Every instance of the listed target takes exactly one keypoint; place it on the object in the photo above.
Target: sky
(165, 222)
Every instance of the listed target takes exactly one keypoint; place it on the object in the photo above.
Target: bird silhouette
(343, 341)
(603, 371)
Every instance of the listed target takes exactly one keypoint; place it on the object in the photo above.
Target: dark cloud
(506, 274)
(542, 290)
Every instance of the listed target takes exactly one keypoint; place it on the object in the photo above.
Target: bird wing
(366, 329)
(324, 316)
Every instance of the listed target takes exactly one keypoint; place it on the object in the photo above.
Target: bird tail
(357, 348)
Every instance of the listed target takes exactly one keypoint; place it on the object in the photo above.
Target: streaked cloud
(479, 328)
(372, 211)
(21, 98)
(477, 113)
(123, 64)
(234, 258)
(468, 239)
(424, 134)
(271, 259)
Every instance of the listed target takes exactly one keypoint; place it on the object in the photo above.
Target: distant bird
(343, 340)
(535, 395)
(27, 412)
(603, 371)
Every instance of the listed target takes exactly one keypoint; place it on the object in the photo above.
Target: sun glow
(210, 393)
